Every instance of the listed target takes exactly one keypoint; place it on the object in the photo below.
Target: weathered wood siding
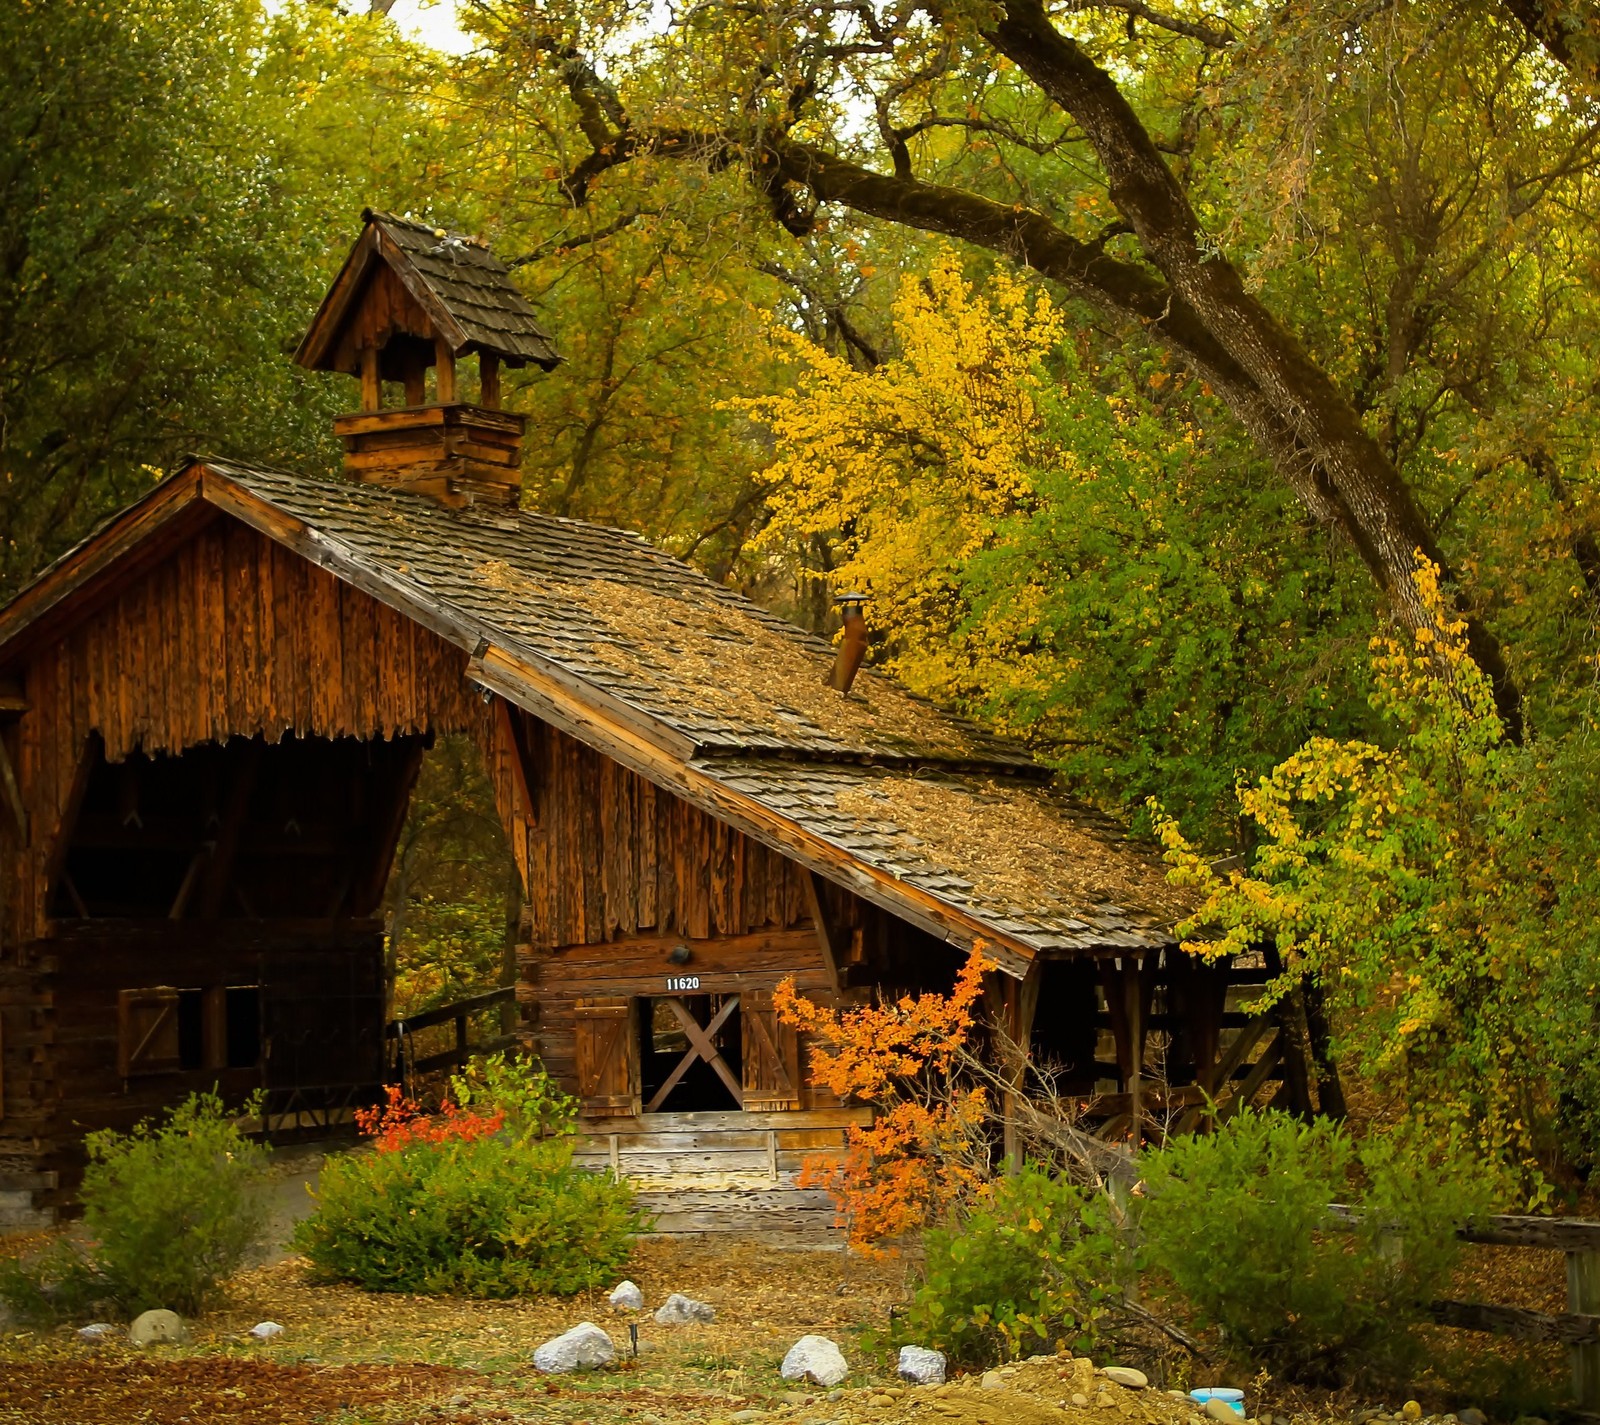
(230, 636)
(618, 873)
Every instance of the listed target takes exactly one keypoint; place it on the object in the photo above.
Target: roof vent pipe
(852, 644)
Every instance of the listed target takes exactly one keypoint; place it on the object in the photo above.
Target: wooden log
(444, 372)
(1578, 1330)
(1583, 1299)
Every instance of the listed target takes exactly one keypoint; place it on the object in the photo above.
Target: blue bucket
(1226, 1394)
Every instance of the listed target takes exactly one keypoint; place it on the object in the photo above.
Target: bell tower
(410, 304)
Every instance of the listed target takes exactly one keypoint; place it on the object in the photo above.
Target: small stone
(921, 1366)
(744, 1417)
(1472, 1416)
(1080, 1400)
(626, 1297)
(815, 1358)
(1126, 1376)
(1411, 1410)
(834, 1395)
(96, 1332)
(679, 1310)
(881, 1402)
(1103, 1401)
(795, 1397)
(158, 1328)
(582, 1348)
(993, 1380)
(266, 1330)
(1221, 1410)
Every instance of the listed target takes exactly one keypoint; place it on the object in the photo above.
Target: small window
(162, 1030)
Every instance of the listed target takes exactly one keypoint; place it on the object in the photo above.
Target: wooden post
(1021, 1001)
(1133, 998)
(416, 379)
(1583, 1296)
(444, 369)
(371, 382)
(489, 380)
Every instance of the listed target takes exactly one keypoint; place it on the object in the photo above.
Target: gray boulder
(158, 1328)
(96, 1332)
(921, 1366)
(679, 1310)
(626, 1297)
(814, 1358)
(266, 1330)
(580, 1349)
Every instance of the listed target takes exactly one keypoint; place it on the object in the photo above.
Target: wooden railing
(404, 1064)
(1577, 1328)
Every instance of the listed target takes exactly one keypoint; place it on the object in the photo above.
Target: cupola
(409, 304)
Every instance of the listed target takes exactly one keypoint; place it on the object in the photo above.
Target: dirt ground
(346, 1356)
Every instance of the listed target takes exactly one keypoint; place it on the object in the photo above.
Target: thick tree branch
(1375, 507)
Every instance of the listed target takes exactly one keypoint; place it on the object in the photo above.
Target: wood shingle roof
(705, 693)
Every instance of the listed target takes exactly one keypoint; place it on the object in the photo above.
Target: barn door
(771, 1056)
(148, 1040)
(608, 1056)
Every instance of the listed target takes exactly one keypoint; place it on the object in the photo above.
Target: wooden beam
(12, 697)
(219, 868)
(415, 376)
(489, 380)
(1022, 1005)
(13, 794)
(371, 381)
(444, 372)
(826, 940)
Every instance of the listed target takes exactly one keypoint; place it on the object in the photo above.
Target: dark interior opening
(191, 1029)
(665, 1041)
(298, 829)
(243, 1025)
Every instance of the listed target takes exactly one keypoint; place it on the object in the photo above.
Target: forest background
(1204, 393)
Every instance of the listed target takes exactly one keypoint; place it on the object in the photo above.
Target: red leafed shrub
(401, 1122)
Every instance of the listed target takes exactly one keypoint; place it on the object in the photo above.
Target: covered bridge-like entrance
(211, 713)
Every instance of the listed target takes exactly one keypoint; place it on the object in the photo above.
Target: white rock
(992, 1380)
(814, 1358)
(158, 1328)
(678, 1309)
(96, 1332)
(266, 1330)
(921, 1366)
(1126, 1375)
(627, 1297)
(580, 1349)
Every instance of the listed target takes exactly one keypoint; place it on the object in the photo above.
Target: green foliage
(1439, 887)
(1239, 1220)
(488, 1217)
(1031, 1261)
(171, 1210)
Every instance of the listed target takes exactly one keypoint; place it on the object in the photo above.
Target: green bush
(1032, 1261)
(450, 1210)
(1239, 1221)
(171, 1209)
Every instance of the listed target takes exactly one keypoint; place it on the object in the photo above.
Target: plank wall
(231, 636)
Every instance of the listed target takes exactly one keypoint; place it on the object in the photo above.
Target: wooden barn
(212, 712)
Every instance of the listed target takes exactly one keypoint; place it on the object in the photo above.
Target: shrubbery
(1239, 1221)
(171, 1209)
(481, 1199)
(1031, 1261)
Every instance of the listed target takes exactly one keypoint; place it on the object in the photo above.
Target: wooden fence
(404, 1063)
(1578, 1327)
